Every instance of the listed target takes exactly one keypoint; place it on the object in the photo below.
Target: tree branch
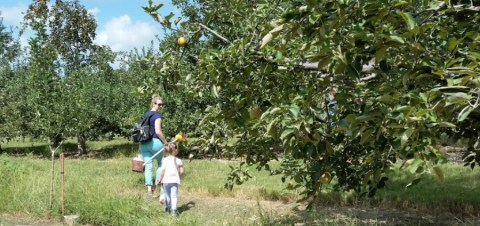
(314, 66)
(460, 9)
(442, 8)
(214, 33)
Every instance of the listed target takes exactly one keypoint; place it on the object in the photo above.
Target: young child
(170, 173)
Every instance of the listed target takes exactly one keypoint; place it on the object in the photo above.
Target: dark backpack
(141, 131)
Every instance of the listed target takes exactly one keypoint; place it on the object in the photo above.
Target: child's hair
(170, 148)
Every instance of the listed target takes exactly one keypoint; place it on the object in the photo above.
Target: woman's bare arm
(158, 130)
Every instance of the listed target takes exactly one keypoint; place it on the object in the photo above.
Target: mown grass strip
(106, 192)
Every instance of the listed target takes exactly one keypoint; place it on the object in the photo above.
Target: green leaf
(407, 17)
(474, 55)
(380, 54)
(420, 170)
(212, 139)
(294, 109)
(413, 164)
(401, 3)
(177, 20)
(270, 127)
(462, 71)
(366, 117)
(457, 98)
(464, 113)
(328, 148)
(385, 99)
(278, 55)
(266, 39)
(424, 97)
(277, 29)
(270, 35)
(366, 136)
(405, 136)
(414, 182)
(215, 91)
(397, 38)
(325, 61)
(446, 124)
(169, 16)
(435, 151)
(286, 132)
(452, 43)
(270, 112)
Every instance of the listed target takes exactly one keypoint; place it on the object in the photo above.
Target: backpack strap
(152, 128)
(150, 117)
(146, 119)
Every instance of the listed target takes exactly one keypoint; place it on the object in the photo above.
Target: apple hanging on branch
(182, 41)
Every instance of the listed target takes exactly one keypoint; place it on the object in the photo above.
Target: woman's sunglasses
(159, 104)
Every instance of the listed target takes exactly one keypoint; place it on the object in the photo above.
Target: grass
(458, 193)
(106, 192)
(103, 190)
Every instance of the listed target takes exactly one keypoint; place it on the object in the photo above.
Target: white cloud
(121, 34)
(24, 39)
(94, 11)
(12, 16)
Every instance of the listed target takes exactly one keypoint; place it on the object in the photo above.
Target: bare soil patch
(8, 219)
(288, 213)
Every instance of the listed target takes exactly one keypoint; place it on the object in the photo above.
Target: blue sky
(121, 24)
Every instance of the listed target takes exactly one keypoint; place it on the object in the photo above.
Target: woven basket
(137, 166)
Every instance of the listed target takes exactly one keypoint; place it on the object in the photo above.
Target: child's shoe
(174, 213)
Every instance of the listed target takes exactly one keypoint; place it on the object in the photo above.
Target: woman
(151, 147)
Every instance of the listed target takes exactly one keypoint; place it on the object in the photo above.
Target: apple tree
(340, 89)
(71, 76)
(9, 52)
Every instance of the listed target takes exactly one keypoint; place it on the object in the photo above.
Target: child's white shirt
(171, 169)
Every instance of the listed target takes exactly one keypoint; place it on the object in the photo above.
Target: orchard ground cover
(103, 191)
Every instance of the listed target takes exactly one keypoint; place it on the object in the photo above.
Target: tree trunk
(81, 144)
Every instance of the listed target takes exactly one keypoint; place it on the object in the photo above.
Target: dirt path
(282, 213)
(25, 220)
(326, 215)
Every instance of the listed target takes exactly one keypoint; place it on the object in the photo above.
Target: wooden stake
(53, 175)
(62, 173)
(52, 179)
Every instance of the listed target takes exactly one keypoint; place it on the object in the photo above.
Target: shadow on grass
(327, 215)
(457, 195)
(42, 151)
(70, 150)
(105, 150)
(456, 201)
(114, 150)
(185, 207)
